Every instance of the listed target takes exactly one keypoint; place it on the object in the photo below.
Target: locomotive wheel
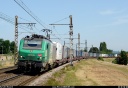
(54, 65)
(19, 69)
(67, 61)
(47, 67)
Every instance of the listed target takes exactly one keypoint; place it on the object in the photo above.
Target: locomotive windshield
(32, 44)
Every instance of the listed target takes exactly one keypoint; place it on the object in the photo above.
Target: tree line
(122, 58)
(6, 46)
(102, 49)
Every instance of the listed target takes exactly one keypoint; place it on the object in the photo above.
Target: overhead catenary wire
(60, 20)
(27, 24)
(6, 18)
(10, 20)
(57, 22)
(56, 37)
(23, 6)
(57, 33)
(36, 16)
(23, 19)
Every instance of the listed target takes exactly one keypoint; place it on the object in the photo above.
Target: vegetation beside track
(6, 63)
(64, 76)
(91, 72)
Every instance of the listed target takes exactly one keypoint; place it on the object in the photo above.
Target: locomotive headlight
(40, 58)
(21, 56)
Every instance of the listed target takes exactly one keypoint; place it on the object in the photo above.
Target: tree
(124, 58)
(109, 51)
(6, 46)
(121, 59)
(103, 48)
(12, 46)
(93, 50)
(1, 45)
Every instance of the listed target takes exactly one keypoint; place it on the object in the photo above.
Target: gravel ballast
(44, 77)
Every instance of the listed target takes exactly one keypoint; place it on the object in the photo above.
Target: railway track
(28, 81)
(24, 79)
(7, 69)
(10, 78)
(19, 79)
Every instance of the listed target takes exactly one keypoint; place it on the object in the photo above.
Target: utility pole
(71, 37)
(86, 45)
(47, 30)
(92, 51)
(16, 38)
(76, 49)
(79, 45)
(64, 43)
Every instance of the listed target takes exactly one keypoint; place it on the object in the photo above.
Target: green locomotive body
(35, 53)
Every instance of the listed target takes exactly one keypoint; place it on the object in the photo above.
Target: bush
(115, 61)
(122, 59)
(100, 58)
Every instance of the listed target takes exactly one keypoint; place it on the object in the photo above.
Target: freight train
(38, 53)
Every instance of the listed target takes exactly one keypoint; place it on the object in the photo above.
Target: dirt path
(96, 72)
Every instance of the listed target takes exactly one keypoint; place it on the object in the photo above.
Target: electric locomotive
(36, 53)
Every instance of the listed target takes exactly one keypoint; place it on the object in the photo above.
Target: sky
(96, 20)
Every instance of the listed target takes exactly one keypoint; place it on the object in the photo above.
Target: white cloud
(115, 23)
(120, 21)
(107, 12)
(110, 12)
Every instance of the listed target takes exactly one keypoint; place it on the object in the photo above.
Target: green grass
(67, 77)
(124, 69)
(100, 58)
(109, 59)
(1, 65)
(64, 77)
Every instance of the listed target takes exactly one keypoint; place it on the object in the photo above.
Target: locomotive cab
(33, 53)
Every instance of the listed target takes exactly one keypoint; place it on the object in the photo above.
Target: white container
(74, 53)
(115, 55)
(58, 50)
(54, 51)
(65, 52)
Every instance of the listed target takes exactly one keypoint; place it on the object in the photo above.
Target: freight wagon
(59, 59)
